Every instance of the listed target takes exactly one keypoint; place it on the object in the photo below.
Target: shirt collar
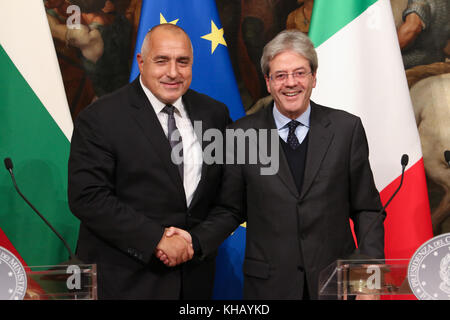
(158, 105)
(281, 120)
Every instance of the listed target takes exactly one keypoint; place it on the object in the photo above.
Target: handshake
(175, 247)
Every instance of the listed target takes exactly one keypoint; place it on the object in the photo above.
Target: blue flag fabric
(212, 74)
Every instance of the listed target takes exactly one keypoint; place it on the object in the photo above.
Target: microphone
(356, 255)
(73, 258)
(404, 160)
(447, 157)
(8, 164)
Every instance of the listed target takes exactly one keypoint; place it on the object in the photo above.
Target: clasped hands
(175, 247)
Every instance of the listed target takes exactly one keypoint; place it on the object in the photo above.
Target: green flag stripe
(39, 149)
(329, 17)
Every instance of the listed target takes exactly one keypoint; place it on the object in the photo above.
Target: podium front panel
(363, 279)
(61, 282)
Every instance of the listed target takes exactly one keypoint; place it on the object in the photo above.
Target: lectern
(351, 279)
(61, 282)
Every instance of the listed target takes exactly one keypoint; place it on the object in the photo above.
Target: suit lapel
(148, 121)
(320, 137)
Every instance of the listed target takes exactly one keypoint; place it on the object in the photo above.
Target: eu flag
(212, 74)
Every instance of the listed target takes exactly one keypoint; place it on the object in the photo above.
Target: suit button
(300, 268)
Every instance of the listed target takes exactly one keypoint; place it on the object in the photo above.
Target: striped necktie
(172, 127)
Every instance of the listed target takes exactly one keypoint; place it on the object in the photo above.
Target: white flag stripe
(369, 80)
(29, 45)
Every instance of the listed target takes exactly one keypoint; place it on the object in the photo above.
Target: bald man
(136, 168)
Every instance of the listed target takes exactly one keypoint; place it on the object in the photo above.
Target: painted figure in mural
(431, 101)
(261, 21)
(78, 87)
(300, 18)
(94, 56)
(425, 31)
(104, 41)
(293, 17)
(57, 12)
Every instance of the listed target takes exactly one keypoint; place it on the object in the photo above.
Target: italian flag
(361, 71)
(35, 128)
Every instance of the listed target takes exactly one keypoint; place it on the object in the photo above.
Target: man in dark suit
(131, 176)
(297, 219)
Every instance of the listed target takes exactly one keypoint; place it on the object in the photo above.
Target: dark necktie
(292, 140)
(172, 127)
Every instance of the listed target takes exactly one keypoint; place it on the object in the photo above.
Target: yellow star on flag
(163, 20)
(216, 37)
(244, 225)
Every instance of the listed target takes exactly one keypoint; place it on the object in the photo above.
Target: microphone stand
(73, 258)
(357, 255)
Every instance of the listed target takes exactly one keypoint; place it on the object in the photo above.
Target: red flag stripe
(408, 221)
(5, 243)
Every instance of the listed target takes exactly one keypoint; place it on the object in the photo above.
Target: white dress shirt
(281, 122)
(192, 150)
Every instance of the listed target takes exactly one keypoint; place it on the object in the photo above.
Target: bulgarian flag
(35, 128)
(361, 71)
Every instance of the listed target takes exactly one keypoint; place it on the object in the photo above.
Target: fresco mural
(424, 31)
(94, 59)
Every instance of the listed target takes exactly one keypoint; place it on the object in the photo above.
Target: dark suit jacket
(290, 234)
(125, 189)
